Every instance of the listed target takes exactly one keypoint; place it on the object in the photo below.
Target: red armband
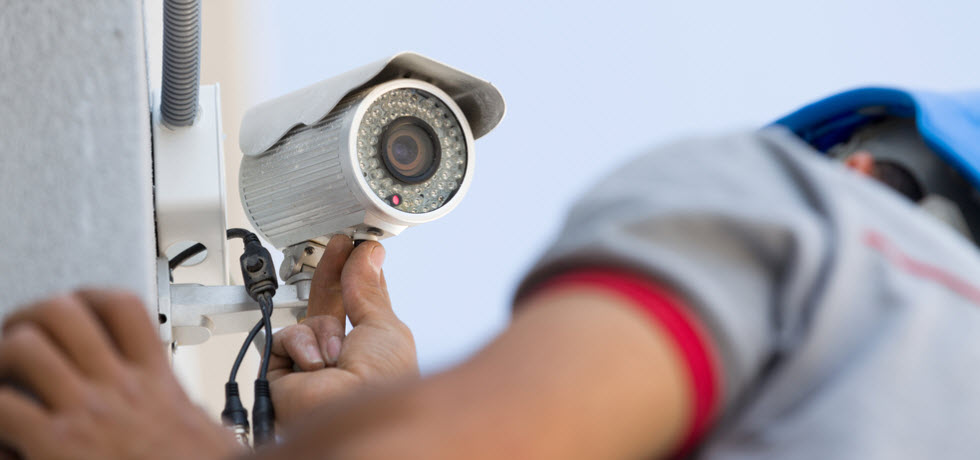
(674, 317)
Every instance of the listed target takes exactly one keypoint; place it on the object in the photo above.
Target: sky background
(589, 85)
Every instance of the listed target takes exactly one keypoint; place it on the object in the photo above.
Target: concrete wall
(76, 203)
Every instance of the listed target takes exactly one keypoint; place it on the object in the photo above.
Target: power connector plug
(235, 416)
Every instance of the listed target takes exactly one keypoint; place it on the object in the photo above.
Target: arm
(581, 373)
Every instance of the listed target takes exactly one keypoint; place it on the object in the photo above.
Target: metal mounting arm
(191, 313)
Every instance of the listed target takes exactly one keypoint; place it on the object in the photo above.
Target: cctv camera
(367, 154)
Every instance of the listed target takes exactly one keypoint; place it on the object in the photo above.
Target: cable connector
(263, 415)
(235, 416)
(258, 269)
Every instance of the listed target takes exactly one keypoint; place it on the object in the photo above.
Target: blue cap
(948, 122)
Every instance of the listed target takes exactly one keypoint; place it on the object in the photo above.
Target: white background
(588, 85)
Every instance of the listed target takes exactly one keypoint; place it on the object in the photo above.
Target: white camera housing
(301, 178)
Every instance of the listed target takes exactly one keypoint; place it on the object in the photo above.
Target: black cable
(260, 282)
(263, 414)
(198, 247)
(266, 307)
(238, 233)
(185, 254)
(235, 415)
(244, 349)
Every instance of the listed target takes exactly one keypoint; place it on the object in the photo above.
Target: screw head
(309, 250)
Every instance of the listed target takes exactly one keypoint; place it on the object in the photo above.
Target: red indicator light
(396, 200)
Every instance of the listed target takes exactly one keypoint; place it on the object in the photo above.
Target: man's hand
(102, 386)
(380, 349)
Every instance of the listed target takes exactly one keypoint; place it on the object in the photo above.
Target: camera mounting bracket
(191, 313)
(189, 189)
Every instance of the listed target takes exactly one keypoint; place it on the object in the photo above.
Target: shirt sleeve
(726, 224)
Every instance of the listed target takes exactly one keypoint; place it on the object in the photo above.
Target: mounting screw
(309, 250)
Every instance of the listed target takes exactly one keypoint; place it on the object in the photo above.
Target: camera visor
(410, 150)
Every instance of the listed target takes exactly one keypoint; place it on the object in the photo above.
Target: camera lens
(410, 149)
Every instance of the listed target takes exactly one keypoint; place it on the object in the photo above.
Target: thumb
(325, 293)
(364, 291)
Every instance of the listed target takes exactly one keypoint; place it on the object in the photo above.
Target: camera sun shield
(387, 155)
(266, 123)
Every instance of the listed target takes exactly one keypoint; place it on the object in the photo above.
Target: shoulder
(743, 172)
(727, 223)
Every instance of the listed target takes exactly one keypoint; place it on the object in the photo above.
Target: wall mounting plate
(189, 183)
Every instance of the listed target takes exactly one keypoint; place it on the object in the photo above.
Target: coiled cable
(181, 62)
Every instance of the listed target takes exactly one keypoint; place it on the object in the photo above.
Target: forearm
(579, 374)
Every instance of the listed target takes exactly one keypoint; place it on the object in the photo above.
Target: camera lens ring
(410, 149)
(436, 109)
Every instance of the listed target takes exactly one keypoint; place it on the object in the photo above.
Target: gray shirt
(846, 317)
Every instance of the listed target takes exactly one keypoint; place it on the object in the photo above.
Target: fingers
(28, 356)
(311, 346)
(128, 323)
(297, 343)
(325, 291)
(364, 292)
(329, 332)
(21, 420)
(75, 330)
(279, 366)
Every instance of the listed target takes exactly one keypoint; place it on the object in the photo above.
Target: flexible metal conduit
(181, 61)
